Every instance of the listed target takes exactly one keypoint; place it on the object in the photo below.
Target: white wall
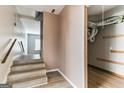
(71, 44)
(101, 47)
(8, 31)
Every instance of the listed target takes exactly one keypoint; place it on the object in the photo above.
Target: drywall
(72, 44)
(8, 31)
(50, 40)
(101, 48)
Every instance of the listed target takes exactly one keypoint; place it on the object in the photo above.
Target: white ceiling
(97, 9)
(30, 9)
(25, 11)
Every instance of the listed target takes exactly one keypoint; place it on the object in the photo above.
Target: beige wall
(63, 43)
(102, 47)
(71, 44)
(8, 31)
(50, 40)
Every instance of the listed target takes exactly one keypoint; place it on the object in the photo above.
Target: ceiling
(30, 9)
(25, 11)
(97, 9)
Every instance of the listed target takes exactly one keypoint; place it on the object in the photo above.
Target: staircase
(27, 71)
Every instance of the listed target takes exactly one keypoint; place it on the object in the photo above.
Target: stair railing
(6, 52)
(21, 46)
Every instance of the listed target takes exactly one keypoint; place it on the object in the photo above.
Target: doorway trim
(85, 46)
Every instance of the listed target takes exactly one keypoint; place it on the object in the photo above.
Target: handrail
(8, 52)
(22, 46)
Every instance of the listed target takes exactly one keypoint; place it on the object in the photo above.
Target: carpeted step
(18, 62)
(20, 75)
(30, 82)
(27, 66)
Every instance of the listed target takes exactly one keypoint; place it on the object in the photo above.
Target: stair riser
(27, 67)
(26, 61)
(31, 83)
(21, 76)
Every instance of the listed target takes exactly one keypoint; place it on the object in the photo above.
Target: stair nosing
(28, 60)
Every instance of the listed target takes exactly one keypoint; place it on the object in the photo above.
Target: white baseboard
(37, 85)
(52, 70)
(69, 81)
(73, 85)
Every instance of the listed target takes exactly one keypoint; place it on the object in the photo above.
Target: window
(37, 44)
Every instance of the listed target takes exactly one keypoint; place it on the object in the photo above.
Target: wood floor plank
(98, 78)
(55, 80)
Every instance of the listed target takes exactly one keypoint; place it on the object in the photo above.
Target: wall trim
(117, 51)
(37, 85)
(85, 47)
(51, 70)
(110, 61)
(73, 85)
(113, 36)
(69, 81)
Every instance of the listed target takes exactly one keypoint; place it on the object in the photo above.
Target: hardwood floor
(55, 80)
(98, 78)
